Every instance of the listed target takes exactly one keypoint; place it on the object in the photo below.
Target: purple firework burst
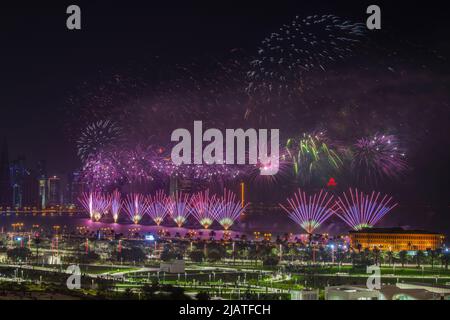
(361, 210)
(309, 211)
(378, 157)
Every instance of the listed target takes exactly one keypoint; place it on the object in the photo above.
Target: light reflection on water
(70, 221)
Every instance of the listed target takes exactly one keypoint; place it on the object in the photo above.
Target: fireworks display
(276, 74)
(309, 211)
(361, 210)
(203, 208)
(228, 209)
(179, 208)
(96, 203)
(102, 170)
(378, 157)
(116, 205)
(125, 127)
(96, 137)
(158, 206)
(312, 155)
(135, 206)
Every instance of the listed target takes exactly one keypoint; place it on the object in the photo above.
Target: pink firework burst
(135, 206)
(116, 204)
(311, 211)
(203, 208)
(158, 206)
(179, 208)
(378, 157)
(361, 210)
(96, 203)
(228, 209)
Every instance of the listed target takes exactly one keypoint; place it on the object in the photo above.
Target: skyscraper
(75, 187)
(54, 191)
(30, 190)
(18, 173)
(42, 177)
(6, 195)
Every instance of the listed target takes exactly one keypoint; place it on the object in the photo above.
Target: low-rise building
(174, 266)
(396, 239)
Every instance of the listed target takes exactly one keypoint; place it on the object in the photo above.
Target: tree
(444, 259)
(376, 255)
(419, 257)
(197, 256)
(214, 255)
(271, 260)
(131, 254)
(89, 257)
(128, 294)
(37, 242)
(149, 290)
(403, 255)
(390, 257)
(202, 295)
(432, 254)
(18, 254)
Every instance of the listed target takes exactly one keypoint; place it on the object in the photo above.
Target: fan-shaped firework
(96, 137)
(158, 206)
(309, 211)
(179, 208)
(378, 157)
(313, 155)
(135, 206)
(361, 211)
(96, 203)
(305, 44)
(228, 209)
(203, 208)
(116, 205)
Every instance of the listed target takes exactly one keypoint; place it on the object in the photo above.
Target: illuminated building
(30, 190)
(395, 239)
(54, 191)
(6, 195)
(75, 187)
(18, 173)
(42, 175)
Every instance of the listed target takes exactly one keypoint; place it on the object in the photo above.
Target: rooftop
(397, 230)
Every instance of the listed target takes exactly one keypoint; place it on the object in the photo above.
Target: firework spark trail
(96, 137)
(228, 209)
(179, 208)
(203, 208)
(95, 203)
(313, 154)
(158, 206)
(363, 211)
(102, 170)
(378, 157)
(306, 44)
(116, 204)
(309, 212)
(135, 206)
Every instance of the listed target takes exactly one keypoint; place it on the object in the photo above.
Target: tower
(6, 195)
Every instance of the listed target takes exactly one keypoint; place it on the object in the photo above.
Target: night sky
(43, 64)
